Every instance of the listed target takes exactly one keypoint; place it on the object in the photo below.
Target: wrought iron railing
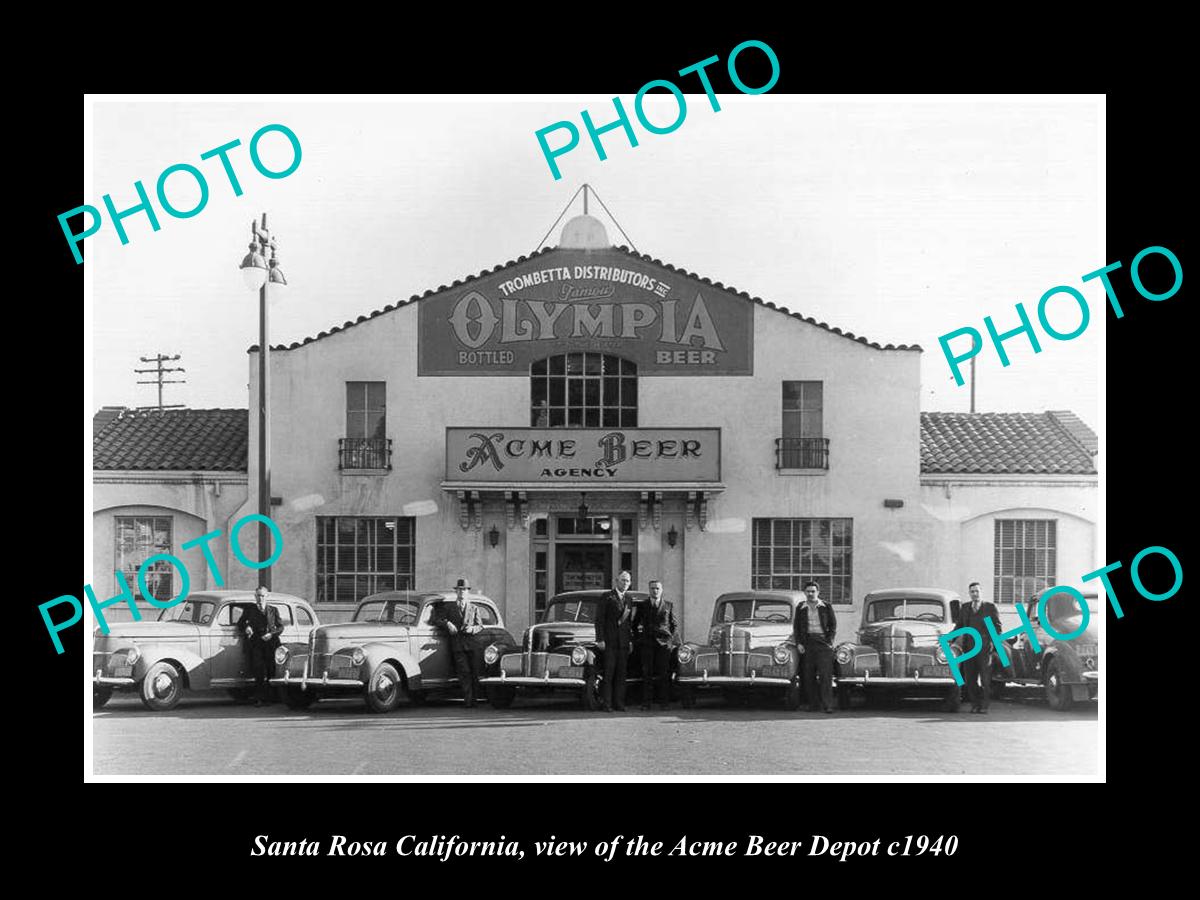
(364, 453)
(801, 453)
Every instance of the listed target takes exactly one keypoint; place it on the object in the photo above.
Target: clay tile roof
(642, 256)
(1005, 443)
(212, 440)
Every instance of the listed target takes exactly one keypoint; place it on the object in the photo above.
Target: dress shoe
(258, 703)
(618, 709)
(829, 709)
(645, 707)
(664, 706)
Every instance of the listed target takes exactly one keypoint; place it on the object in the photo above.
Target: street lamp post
(258, 271)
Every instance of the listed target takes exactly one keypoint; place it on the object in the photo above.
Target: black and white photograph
(532, 437)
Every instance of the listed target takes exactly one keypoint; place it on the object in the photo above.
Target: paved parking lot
(545, 736)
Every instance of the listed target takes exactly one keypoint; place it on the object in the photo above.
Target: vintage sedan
(1066, 671)
(193, 646)
(388, 651)
(557, 654)
(897, 651)
(749, 648)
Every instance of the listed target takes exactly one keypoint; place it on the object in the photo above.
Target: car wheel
(843, 696)
(499, 696)
(101, 694)
(298, 698)
(687, 697)
(241, 695)
(383, 690)
(1058, 694)
(162, 687)
(952, 699)
(793, 697)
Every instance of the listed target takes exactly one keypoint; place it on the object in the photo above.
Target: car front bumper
(706, 680)
(304, 682)
(864, 681)
(531, 681)
(112, 681)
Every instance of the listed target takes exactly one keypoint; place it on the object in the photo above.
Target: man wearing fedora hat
(460, 621)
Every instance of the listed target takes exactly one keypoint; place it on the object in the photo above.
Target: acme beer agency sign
(601, 301)
(587, 455)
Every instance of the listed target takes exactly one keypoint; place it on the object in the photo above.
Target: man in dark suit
(813, 630)
(259, 628)
(459, 620)
(977, 671)
(613, 621)
(655, 633)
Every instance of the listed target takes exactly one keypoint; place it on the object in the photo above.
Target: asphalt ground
(213, 735)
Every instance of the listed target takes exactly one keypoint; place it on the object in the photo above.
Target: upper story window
(366, 409)
(803, 444)
(366, 445)
(584, 390)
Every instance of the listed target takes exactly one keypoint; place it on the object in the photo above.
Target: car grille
(737, 660)
(113, 665)
(335, 665)
(535, 665)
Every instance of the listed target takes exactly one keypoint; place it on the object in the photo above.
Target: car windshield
(906, 608)
(198, 611)
(754, 610)
(572, 611)
(400, 611)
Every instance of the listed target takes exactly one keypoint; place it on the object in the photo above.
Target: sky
(896, 220)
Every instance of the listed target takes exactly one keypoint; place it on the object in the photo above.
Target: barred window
(583, 390)
(362, 555)
(139, 538)
(1026, 558)
(787, 553)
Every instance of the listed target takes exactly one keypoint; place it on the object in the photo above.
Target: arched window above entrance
(583, 390)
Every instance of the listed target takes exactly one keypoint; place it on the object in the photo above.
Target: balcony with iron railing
(801, 453)
(365, 453)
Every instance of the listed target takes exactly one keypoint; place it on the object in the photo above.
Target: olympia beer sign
(600, 301)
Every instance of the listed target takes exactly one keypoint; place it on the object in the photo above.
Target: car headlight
(686, 654)
(358, 656)
(281, 655)
(843, 655)
(782, 654)
(941, 654)
(578, 656)
(491, 655)
(132, 656)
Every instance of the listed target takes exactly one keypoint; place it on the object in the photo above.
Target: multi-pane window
(366, 409)
(802, 445)
(787, 553)
(139, 538)
(1026, 558)
(362, 555)
(585, 390)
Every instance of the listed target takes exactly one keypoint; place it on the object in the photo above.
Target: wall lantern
(672, 537)
(494, 536)
(893, 504)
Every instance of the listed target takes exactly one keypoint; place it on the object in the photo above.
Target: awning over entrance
(516, 496)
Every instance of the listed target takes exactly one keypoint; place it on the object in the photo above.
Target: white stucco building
(718, 441)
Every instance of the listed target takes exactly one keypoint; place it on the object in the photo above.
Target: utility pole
(158, 359)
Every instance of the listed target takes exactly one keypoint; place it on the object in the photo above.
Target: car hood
(147, 631)
(355, 633)
(549, 635)
(883, 635)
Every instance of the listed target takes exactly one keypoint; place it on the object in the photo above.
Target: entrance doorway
(582, 567)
